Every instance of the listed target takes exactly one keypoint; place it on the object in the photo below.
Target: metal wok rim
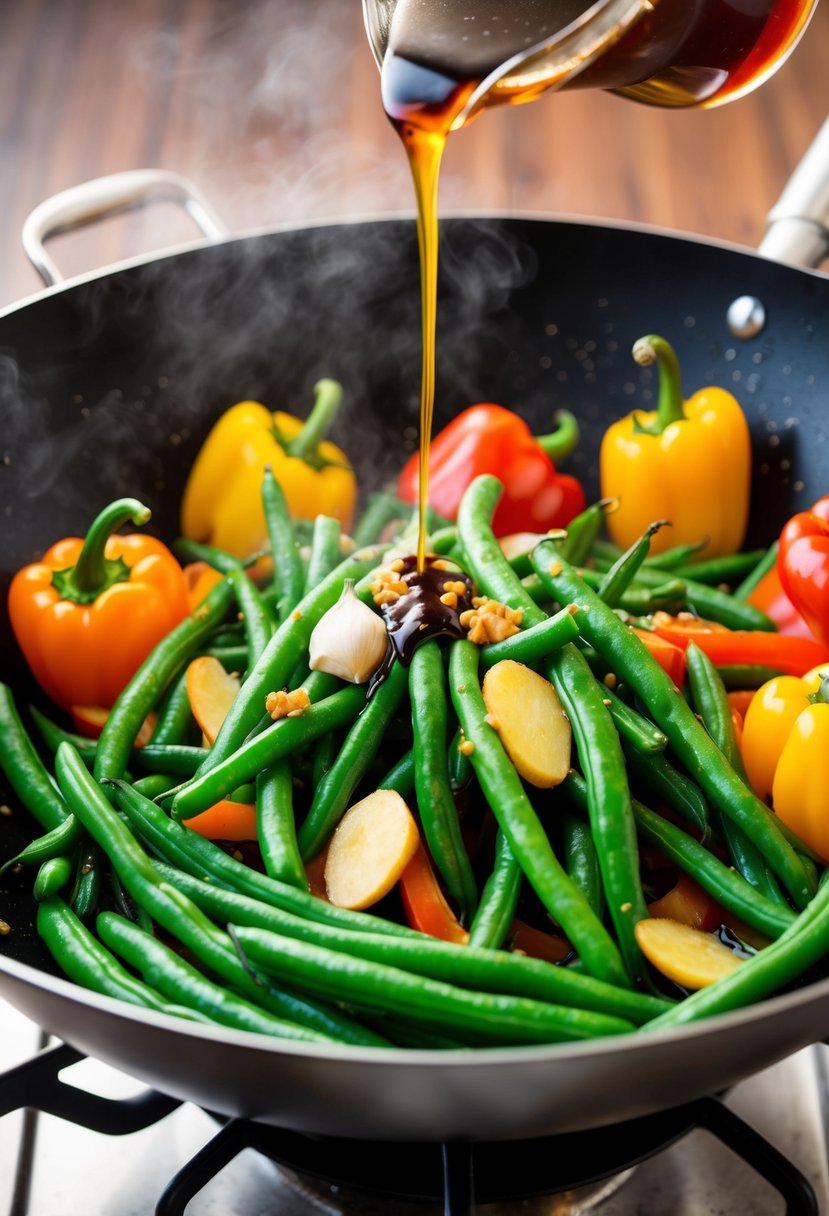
(535, 217)
(640, 1040)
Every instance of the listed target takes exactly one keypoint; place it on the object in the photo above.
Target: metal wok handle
(797, 228)
(91, 201)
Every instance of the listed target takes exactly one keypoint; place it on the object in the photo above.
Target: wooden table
(272, 107)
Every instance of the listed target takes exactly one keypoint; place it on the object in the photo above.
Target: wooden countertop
(272, 107)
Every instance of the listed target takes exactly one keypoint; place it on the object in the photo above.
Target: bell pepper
(488, 438)
(222, 502)
(803, 566)
(88, 614)
(424, 903)
(786, 753)
(688, 462)
(770, 598)
(780, 652)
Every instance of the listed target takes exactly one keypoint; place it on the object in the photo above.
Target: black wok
(108, 385)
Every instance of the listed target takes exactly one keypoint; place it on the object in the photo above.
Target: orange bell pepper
(669, 656)
(88, 614)
(687, 461)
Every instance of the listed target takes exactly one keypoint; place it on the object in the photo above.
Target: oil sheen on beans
(678, 53)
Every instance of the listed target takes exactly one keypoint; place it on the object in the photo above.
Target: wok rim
(293, 226)
(467, 1057)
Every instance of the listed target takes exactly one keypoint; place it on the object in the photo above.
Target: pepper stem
(94, 572)
(671, 406)
(327, 397)
(560, 442)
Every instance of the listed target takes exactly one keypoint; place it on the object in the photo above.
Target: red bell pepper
(491, 439)
(803, 565)
(424, 903)
(791, 655)
(770, 598)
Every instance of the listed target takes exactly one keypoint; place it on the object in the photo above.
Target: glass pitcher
(670, 53)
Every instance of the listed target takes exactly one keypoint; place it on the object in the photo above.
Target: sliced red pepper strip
(791, 655)
(669, 656)
(425, 904)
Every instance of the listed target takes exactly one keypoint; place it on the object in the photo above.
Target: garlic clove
(350, 640)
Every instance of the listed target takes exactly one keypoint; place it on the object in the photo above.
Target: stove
(760, 1150)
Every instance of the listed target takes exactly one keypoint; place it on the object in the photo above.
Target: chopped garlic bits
(490, 621)
(284, 704)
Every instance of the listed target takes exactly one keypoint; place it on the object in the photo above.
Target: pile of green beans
(122, 885)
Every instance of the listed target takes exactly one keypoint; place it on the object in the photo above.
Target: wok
(109, 384)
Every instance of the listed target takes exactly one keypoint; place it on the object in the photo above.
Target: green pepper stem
(327, 397)
(92, 572)
(560, 442)
(671, 406)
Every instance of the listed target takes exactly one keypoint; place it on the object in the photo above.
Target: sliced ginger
(211, 691)
(374, 842)
(526, 711)
(690, 957)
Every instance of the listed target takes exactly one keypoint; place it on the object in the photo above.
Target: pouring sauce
(440, 53)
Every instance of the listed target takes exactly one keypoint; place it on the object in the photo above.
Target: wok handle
(797, 228)
(91, 201)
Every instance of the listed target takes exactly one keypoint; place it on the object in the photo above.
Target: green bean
(631, 725)
(519, 822)
(443, 540)
(719, 570)
(435, 800)
(534, 644)
(635, 600)
(767, 562)
(175, 721)
(582, 531)
(745, 675)
(711, 603)
(193, 854)
(86, 890)
(43, 848)
(279, 657)
(401, 776)
(325, 551)
(23, 768)
(710, 701)
(232, 658)
(460, 768)
(279, 740)
(258, 619)
(581, 860)
(155, 785)
(276, 826)
(180, 758)
(127, 715)
(381, 509)
(668, 559)
(288, 571)
(611, 814)
(479, 1016)
(671, 786)
(82, 957)
(52, 734)
(618, 578)
(495, 913)
(173, 912)
(194, 551)
(692, 744)
(803, 944)
(168, 973)
(52, 877)
(467, 966)
(358, 750)
(722, 883)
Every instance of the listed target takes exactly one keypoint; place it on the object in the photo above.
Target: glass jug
(670, 53)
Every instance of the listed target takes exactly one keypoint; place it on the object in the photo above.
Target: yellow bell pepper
(688, 462)
(222, 502)
(785, 751)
